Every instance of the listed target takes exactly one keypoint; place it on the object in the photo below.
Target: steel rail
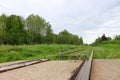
(8, 67)
(84, 71)
(63, 55)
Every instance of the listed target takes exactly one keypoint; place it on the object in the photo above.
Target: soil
(105, 69)
(50, 70)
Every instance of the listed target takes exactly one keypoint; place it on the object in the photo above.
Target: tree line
(107, 40)
(16, 30)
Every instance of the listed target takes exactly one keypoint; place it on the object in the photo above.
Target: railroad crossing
(81, 70)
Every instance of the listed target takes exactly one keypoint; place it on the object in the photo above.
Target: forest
(16, 30)
(23, 39)
(106, 40)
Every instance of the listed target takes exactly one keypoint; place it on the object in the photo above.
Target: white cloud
(110, 28)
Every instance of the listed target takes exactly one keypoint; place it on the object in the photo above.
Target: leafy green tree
(31, 27)
(64, 37)
(49, 37)
(81, 40)
(103, 38)
(36, 27)
(117, 37)
(116, 40)
(3, 19)
(15, 31)
(97, 41)
(77, 40)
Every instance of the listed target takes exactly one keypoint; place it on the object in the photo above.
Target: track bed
(50, 70)
(105, 69)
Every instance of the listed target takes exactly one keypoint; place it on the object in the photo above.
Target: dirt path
(106, 69)
(51, 70)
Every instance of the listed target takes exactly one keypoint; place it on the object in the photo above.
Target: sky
(88, 19)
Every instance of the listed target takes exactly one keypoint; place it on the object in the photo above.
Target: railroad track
(17, 65)
(84, 70)
(67, 55)
(82, 73)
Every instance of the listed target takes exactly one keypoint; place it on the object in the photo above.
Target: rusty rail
(8, 67)
(84, 71)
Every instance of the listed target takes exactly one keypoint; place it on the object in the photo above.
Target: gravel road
(51, 70)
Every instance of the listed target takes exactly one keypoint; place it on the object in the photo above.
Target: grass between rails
(28, 52)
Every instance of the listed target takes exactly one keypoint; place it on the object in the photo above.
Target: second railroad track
(17, 65)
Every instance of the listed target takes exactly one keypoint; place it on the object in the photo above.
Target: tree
(104, 38)
(97, 41)
(77, 40)
(15, 31)
(81, 40)
(116, 40)
(64, 37)
(36, 27)
(3, 19)
(117, 37)
(49, 37)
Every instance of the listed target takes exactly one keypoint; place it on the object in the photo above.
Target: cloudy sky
(86, 18)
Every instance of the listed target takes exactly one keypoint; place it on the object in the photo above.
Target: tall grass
(107, 51)
(26, 52)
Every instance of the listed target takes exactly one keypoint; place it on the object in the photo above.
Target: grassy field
(107, 51)
(28, 52)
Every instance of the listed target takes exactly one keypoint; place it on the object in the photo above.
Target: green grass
(107, 51)
(28, 52)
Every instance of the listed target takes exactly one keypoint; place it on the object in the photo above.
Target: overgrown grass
(107, 51)
(28, 52)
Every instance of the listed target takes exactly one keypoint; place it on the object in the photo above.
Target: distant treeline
(34, 29)
(107, 40)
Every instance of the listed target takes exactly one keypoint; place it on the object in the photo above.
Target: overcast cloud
(86, 18)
